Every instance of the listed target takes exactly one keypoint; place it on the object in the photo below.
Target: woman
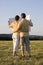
(15, 35)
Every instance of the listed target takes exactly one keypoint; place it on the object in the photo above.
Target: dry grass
(7, 58)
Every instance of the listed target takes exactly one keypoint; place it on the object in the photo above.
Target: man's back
(25, 25)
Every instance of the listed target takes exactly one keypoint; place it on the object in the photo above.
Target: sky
(10, 8)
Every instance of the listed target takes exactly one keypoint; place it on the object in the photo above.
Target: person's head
(23, 15)
(17, 17)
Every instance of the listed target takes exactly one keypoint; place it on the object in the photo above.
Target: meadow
(7, 58)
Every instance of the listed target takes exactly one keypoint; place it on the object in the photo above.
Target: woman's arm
(10, 25)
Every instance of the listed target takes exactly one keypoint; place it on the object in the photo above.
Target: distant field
(7, 58)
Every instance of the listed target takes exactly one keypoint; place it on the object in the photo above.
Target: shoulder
(27, 20)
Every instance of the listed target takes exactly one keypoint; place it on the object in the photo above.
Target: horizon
(11, 33)
(10, 8)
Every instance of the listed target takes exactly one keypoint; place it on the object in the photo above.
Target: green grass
(7, 58)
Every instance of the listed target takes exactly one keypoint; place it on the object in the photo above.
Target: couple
(21, 33)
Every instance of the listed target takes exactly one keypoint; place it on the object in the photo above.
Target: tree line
(9, 37)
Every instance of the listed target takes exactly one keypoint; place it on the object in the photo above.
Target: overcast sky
(10, 8)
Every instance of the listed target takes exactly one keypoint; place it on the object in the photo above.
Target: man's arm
(19, 27)
(31, 24)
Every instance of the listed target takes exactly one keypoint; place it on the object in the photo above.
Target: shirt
(14, 26)
(24, 27)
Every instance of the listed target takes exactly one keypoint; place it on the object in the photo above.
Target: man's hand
(31, 23)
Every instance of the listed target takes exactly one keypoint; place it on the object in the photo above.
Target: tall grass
(7, 58)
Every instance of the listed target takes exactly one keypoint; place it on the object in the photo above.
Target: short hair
(23, 15)
(17, 17)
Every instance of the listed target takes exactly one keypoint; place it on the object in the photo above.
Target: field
(7, 58)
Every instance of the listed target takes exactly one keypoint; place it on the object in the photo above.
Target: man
(15, 35)
(24, 26)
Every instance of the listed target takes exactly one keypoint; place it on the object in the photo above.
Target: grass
(7, 58)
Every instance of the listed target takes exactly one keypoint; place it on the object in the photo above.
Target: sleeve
(30, 23)
(11, 25)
